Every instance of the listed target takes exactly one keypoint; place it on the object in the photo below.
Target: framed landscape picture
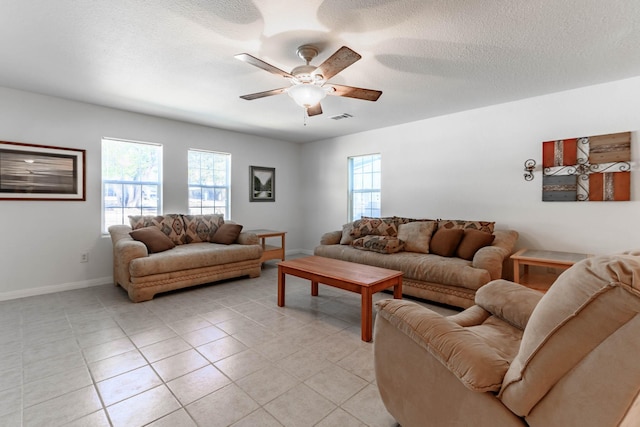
(263, 184)
(40, 172)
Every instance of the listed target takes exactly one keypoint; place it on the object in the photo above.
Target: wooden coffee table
(362, 279)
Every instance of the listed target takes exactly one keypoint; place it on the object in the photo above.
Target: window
(364, 186)
(209, 183)
(131, 180)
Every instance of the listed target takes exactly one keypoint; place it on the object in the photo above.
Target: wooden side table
(270, 251)
(542, 258)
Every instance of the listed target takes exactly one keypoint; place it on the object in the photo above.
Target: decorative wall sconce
(529, 166)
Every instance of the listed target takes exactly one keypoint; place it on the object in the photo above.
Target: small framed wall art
(41, 172)
(262, 182)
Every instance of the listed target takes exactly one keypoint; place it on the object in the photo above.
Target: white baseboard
(4, 296)
(300, 251)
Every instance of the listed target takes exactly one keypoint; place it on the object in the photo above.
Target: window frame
(351, 214)
(226, 187)
(124, 210)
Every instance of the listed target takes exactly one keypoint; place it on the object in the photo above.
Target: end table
(542, 258)
(270, 251)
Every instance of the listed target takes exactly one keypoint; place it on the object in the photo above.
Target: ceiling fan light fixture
(310, 84)
(306, 95)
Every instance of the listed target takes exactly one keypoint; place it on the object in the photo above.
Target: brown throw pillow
(445, 241)
(472, 241)
(154, 239)
(227, 233)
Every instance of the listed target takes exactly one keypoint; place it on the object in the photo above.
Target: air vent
(341, 116)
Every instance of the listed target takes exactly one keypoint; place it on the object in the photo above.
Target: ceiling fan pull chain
(304, 116)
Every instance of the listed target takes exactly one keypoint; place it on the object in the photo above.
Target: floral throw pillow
(376, 227)
(201, 228)
(381, 244)
(486, 226)
(171, 224)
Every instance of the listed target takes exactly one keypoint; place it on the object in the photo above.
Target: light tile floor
(216, 355)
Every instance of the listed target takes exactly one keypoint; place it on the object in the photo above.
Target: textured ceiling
(175, 58)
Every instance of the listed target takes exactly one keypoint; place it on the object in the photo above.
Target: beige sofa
(516, 358)
(445, 279)
(191, 260)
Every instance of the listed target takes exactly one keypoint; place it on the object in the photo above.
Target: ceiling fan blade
(257, 95)
(245, 57)
(337, 62)
(355, 92)
(314, 110)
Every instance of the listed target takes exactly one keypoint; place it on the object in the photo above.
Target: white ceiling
(175, 58)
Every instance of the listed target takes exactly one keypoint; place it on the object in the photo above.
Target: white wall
(41, 242)
(469, 165)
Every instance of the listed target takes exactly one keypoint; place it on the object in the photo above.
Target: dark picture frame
(41, 172)
(262, 184)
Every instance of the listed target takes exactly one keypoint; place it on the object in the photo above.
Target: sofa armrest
(331, 238)
(246, 238)
(128, 250)
(475, 363)
(474, 315)
(509, 301)
(491, 258)
(125, 249)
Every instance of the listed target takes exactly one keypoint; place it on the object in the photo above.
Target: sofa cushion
(375, 226)
(415, 266)
(381, 244)
(347, 228)
(154, 239)
(416, 235)
(472, 241)
(445, 241)
(226, 234)
(170, 224)
(200, 228)
(189, 257)
(459, 223)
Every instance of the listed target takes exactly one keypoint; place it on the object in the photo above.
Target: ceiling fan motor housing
(304, 74)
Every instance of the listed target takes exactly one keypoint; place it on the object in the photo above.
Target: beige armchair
(568, 358)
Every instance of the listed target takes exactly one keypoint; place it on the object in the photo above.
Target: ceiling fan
(309, 83)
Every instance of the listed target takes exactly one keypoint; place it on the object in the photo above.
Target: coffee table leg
(281, 283)
(314, 289)
(366, 323)
(397, 289)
